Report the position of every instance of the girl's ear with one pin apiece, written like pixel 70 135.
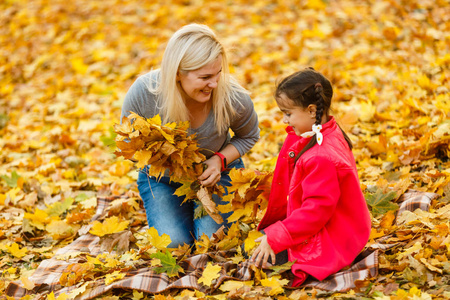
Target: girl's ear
pixel 311 109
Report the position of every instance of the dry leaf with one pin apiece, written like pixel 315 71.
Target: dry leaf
pixel 209 205
pixel 63 78
pixel 209 275
pixel 119 241
pixel 109 226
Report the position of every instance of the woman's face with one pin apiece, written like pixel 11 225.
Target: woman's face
pixel 197 85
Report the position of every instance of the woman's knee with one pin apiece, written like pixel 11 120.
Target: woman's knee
pixel 165 211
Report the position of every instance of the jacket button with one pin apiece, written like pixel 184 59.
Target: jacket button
pixel 291 154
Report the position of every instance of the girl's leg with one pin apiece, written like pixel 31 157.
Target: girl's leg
pixel 164 210
pixel 206 224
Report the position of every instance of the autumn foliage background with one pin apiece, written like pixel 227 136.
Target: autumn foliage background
pixel 65 67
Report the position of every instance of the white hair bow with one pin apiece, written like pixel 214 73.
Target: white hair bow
pixel 315 131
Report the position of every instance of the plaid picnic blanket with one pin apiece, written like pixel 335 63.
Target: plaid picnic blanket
pixel 47 275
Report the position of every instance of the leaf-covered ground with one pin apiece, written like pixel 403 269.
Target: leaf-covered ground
pixel 65 67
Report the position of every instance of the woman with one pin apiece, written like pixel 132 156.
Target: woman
pixel 193 84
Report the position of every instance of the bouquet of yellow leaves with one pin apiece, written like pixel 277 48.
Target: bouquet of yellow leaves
pixel 168 146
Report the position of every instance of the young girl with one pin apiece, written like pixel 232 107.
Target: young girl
pixel 316 209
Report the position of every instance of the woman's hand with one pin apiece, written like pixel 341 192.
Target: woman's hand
pixel 211 175
pixel 263 252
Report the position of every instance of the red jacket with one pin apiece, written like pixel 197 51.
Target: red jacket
pixel 317 210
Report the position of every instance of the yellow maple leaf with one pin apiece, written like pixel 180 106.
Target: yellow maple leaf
pixel 94 260
pixel 114 276
pixel 125 127
pixel 62 296
pixel 157 241
pixel 16 251
pixel 155 120
pixel 237 259
pixel 367 111
pixel 141 126
pixel 137 295
pixel 111 262
pixel 210 273
pixel 78 291
pixel 202 244
pixel 387 220
pixel 275 284
pixel 242 213
pixel 241 180
pixel 78 65
pixel 109 225
pixel 187 294
pixel 143 157
pixel 39 219
pixel 27 283
pixel 168 149
pixel 89 203
pixel 425 82
pixel 59 229
pixel 232 285
pixel 374 234
pixel 15 194
pixel 250 240
pixel 414 293
pixel 120 168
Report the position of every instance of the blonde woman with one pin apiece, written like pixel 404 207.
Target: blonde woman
pixel 193 84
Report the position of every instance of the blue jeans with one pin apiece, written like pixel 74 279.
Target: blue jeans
pixel 166 214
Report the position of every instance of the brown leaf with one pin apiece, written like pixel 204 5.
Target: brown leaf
pixel 184 250
pixel 210 206
pixel 120 241
pixel 390 287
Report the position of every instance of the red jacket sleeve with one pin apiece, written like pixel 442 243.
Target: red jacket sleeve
pixel 313 197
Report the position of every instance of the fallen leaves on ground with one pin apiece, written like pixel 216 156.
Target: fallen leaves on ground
pixel 66 66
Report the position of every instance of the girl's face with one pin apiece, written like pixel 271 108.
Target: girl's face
pixel 300 119
pixel 197 85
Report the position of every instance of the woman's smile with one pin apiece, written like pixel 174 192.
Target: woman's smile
pixel 198 85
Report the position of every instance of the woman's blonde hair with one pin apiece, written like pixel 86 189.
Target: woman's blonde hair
pixel 190 48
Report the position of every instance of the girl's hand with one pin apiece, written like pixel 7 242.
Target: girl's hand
pixel 211 175
pixel 263 252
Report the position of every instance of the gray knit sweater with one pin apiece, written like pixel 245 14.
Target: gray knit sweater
pixel 244 125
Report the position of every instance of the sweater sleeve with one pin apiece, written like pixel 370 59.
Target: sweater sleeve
pixel 139 99
pixel 245 126
pixel 319 194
